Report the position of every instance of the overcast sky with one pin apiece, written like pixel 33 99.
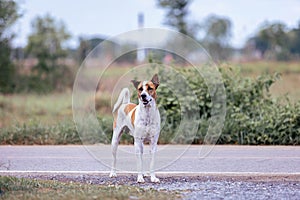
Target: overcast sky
pixel 112 17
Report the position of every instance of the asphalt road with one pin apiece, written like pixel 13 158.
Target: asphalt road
pixel 194 172
pixel 170 159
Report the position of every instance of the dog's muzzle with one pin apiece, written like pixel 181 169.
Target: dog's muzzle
pixel 144 99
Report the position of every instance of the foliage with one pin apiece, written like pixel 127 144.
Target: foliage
pixel 176 17
pixel 294 40
pixel 7 68
pixel 252 116
pixel 22 188
pixel 34 132
pixel 87 45
pixel 217 35
pixel 216 30
pixel 8 16
pixel 46 44
pixel 276 41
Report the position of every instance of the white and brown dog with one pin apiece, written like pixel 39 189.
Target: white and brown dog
pixel 142 120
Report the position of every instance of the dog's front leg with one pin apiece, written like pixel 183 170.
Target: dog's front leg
pixel 153 148
pixel 138 145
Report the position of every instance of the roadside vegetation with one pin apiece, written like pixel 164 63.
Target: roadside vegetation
pixel 20 188
pixel 260 110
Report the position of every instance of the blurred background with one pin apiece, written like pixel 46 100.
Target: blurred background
pixel 43 43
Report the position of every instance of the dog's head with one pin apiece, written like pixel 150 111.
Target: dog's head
pixel 146 90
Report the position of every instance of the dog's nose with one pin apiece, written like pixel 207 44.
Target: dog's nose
pixel 143 96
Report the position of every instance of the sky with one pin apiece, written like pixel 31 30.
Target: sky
pixel 112 17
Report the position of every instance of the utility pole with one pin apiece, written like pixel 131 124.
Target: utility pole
pixel 141 54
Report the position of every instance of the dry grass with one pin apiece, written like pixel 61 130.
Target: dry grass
pixel 289 83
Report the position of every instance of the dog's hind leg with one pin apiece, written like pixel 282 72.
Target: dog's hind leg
pixel 114 144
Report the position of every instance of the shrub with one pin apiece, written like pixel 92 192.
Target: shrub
pixel 252 115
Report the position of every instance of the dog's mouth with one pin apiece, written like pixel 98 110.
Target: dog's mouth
pixel 145 101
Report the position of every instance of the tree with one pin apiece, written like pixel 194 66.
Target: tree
pixel 86 46
pixel 272 41
pixel 294 40
pixel 46 44
pixel 176 16
pixel 8 16
pixel 217 35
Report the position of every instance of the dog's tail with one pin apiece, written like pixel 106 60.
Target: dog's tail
pixel 124 98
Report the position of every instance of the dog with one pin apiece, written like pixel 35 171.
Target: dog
pixel 142 120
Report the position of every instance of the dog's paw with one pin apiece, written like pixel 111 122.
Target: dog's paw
pixel 140 179
pixel 112 174
pixel 154 179
pixel 145 174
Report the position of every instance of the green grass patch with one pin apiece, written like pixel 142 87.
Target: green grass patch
pixel 37 133
pixel 48 109
pixel 20 188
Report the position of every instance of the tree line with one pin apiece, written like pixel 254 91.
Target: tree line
pixel 46 45
pixel 273 40
pixel 276 41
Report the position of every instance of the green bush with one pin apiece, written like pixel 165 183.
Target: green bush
pixel 252 115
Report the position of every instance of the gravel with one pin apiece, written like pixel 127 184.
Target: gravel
pixel 197 187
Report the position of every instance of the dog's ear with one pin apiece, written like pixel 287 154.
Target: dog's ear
pixel 155 80
pixel 135 83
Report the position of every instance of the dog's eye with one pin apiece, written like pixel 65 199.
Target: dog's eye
pixel 140 89
pixel 150 89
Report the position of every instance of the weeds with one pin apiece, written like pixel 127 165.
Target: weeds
pixel 36 133
pixel 20 188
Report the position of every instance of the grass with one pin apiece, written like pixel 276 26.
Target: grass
pixel 48 109
pixel 260 67
pixel 20 188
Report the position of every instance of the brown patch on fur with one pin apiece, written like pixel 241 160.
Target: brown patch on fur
pixel 139 89
pixel 128 109
pixel 153 91
pixel 155 80
pixel 115 123
pixel 115 119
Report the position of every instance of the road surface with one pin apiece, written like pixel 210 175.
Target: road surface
pixel 170 159
pixel 194 172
